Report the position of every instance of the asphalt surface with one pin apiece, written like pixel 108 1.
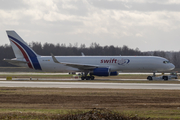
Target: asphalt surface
pixel 89 85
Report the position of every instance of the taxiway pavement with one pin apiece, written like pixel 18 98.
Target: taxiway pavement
pixel 89 85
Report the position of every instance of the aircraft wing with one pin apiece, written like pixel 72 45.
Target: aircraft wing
pixel 76 65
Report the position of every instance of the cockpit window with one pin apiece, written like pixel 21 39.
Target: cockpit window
pixel 165 62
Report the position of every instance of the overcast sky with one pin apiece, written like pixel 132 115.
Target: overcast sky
pixel 145 24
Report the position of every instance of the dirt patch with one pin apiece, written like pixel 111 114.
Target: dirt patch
pixel 88 98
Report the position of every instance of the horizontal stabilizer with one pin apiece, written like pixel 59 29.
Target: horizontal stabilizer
pixel 15 61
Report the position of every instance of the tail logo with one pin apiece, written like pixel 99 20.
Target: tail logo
pixel 28 54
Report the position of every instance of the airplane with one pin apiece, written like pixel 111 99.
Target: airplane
pixel 92 65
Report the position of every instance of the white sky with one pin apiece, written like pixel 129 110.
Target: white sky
pixel 145 24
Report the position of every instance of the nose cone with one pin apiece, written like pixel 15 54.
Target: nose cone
pixel 171 66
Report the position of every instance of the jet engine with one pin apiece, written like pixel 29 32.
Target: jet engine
pixel 103 72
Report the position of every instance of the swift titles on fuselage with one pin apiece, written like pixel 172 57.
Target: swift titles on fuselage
pixel 118 61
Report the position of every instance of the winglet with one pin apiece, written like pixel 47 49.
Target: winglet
pixel 82 54
pixel 54 59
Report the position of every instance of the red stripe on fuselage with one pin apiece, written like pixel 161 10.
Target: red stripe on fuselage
pixel 24 54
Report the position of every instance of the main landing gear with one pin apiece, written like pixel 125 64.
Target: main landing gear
pixel 85 77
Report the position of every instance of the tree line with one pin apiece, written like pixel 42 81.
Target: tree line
pixel 93 50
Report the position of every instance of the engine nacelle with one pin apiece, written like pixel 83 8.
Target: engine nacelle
pixel 103 72
pixel 114 73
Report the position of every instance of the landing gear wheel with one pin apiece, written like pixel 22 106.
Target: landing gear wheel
pixel 82 78
pixel 150 78
pixel 165 78
pixel 92 77
pixel 87 77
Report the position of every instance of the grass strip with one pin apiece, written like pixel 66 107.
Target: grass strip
pixel 95 114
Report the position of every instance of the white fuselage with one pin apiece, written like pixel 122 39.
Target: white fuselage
pixel 115 63
pixel 97 65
